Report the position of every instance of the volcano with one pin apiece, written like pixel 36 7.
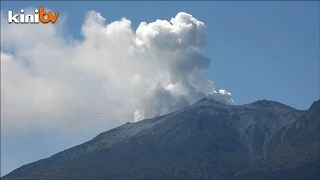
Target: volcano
pixel 207 140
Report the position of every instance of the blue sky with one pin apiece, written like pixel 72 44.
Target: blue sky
pixel 258 50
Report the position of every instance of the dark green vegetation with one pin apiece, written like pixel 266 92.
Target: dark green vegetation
pixel 208 140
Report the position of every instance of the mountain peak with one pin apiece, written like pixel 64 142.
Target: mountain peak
pixel 263 103
pixel 271 104
pixel 207 100
pixel 315 105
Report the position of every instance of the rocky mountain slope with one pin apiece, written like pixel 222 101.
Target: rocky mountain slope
pixel 208 140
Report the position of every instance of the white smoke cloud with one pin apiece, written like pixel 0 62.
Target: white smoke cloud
pixel 112 76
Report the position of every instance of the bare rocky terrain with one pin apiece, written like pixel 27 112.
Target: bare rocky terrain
pixel 208 140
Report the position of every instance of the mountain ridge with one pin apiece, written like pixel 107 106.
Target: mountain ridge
pixel 205 140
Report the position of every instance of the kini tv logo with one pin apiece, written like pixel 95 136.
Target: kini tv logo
pixel 40 16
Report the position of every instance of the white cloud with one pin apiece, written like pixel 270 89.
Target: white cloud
pixel 51 81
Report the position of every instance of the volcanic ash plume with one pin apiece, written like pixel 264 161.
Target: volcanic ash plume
pixel 113 75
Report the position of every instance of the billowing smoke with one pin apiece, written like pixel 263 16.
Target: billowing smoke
pixel 113 75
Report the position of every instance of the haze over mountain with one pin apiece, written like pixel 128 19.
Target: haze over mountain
pixel 207 140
